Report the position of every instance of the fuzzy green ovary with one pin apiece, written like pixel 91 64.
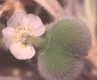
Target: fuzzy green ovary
pixel 64 34
pixel 55 61
pixel 56 57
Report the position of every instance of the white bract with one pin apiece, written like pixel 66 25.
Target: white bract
pixel 21 28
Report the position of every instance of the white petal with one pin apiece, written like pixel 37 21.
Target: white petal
pixel 16 19
pixel 8 34
pixel 38 31
pixel 33 21
pixel 22 53
pixel 36 24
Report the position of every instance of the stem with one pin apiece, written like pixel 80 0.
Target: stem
pixel 18 6
pixel 53 7
pixel 11 5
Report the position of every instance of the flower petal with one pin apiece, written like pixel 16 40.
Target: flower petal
pixel 8 34
pixel 38 31
pixel 16 19
pixel 36 24
pixel 26 20
pixel 21 52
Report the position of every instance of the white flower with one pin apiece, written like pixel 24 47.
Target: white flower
pixel 21 51
pixel 21 28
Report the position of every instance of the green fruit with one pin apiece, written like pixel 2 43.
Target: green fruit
pixel 65 43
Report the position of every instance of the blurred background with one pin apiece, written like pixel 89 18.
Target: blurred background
pixel 49 11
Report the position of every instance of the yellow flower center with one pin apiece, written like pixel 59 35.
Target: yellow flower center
pixel 24 35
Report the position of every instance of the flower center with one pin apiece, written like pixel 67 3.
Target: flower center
pixel 23 34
